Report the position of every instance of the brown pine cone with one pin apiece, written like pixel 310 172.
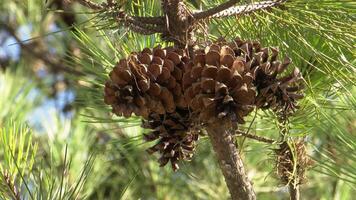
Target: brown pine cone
pixel 147 82
pixel 175 134
pixel 279 94
pixel 171 91
pixel 217 84
pixel 292 162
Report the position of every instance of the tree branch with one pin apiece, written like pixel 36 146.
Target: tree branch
pixel 147 23
pixel 142 25
pixel 137 26
pixel 213 11
pixel 230 162
pixel 256 137
pixel 10 184
pixel 90 4
pixel 141 30
pixel 178 20
pixel 44 56
pixel 149 20
pixel 294 191
pixel 246 9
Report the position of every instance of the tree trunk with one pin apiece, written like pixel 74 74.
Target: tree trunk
pixel 230 162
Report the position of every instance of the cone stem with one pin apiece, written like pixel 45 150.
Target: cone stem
pixel 294 192
pixel 230 162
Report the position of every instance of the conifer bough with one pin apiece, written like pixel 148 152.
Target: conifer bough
pixel 178 22
pixel 178 95
pixel 178 91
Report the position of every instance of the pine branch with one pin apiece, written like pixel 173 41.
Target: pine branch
pixel 178 14
pixel 230 162
pixel 141 30
pixel 149 20
pixel 44 56
pixel 10 185
pixel 91 5
pixel 142 23
pixel 178 22
pixel 256 137
pixel 215 10
pixel 246 9
pixel 294 192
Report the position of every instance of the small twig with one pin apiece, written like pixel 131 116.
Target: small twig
pixel 110 3
pixel 20 173
pixel 44 56
pixel 246 9
pixel 249 128
pixel 256 137
pixel 139 29
pixel 149 20
pixel 90 4
pixel 142 25
pixel 178 14
pixel 294 191
pixel 141 22
pixel 11 185
pixel 213 11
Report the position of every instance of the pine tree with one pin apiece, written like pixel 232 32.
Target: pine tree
pixel 189 73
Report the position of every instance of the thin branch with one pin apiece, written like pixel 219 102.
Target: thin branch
pixel 215 10
pixel 143 25
pixel 20 173
pixel 138 26
pixel 11 185
pixel 44 56
pixel 294 192
pixel 256 137
pixel 143 22
pixel 90 4
pixel 96 6
pixel 230 161
pixel 246 9
pixel 249 128
pixel 149 20
pixel 139 29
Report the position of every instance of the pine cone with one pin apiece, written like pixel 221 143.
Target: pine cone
pixel 147 82
pixel 224 81
pixel 292 162
pixel 217 84
pixel 175 134
pixel 279 94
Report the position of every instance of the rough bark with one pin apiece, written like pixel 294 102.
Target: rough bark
pixel 248 8
pixel 230 162
pixel 179 21
pixel 217 9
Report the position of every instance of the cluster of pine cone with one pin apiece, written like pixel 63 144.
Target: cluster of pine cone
pixel 176 93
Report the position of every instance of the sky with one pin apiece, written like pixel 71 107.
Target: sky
pixel 9 49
